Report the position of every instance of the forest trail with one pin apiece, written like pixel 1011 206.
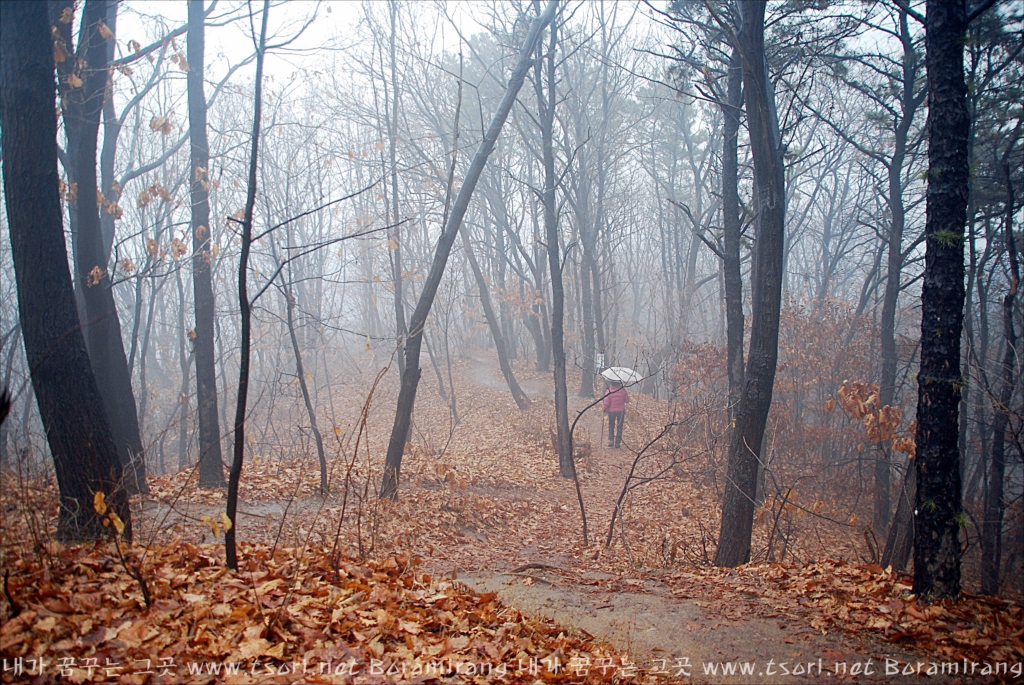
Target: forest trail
pixel 658 626
pixel 481 504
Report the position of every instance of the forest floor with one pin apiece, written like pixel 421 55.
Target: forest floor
pixel 483 510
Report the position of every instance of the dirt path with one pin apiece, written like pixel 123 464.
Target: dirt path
pixel 662 632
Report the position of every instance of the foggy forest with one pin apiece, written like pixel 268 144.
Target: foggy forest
pixel 511 342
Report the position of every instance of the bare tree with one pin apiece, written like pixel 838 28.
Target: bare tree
pixel 211 470
pixel 411 376
pixel 84 82
pixel 84 453
pixel 937 505
pixel 244 303
pixel 769 188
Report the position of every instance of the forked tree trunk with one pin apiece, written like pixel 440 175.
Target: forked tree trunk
pixel 84 454
pixel 211 468
pixel 411 376
pixel 938 510
pixel 747 434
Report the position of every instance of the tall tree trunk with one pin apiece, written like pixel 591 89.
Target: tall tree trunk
pixel 84 453
pixel 747 435
pixel 544 70
pixel 897 212
pixel 81 109
pixel 732 230
pixel 995 502
pixel 244 305
pixel 411 376
pixel 938 510
pixel 211 468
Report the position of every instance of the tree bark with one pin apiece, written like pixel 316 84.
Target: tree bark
pixel 411 376
pixel 84 453
pixel 81 107
pixel 211 468
pixel 769 184
pixel 937 507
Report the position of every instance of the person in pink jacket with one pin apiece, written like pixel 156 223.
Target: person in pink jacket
pixel 615 399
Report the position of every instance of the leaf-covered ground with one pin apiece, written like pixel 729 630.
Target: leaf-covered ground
pixel 347 579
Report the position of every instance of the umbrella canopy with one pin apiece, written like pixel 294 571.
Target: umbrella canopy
pixel 622 375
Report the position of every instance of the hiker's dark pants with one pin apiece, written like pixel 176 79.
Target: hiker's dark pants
pixel 615 418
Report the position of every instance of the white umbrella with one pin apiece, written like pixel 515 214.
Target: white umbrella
pixel 622 375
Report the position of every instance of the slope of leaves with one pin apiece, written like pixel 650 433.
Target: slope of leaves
pixel 285 617
pixel 865 601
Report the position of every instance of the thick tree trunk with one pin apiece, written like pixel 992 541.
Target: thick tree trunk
pixel 938 509
pixel 732 231
pixel 769 183
pixel 411 376
pixel 995 502
pixel 84 453
pixel 211 468
pixel 81 110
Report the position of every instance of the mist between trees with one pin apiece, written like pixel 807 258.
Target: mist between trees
pixel 745 203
